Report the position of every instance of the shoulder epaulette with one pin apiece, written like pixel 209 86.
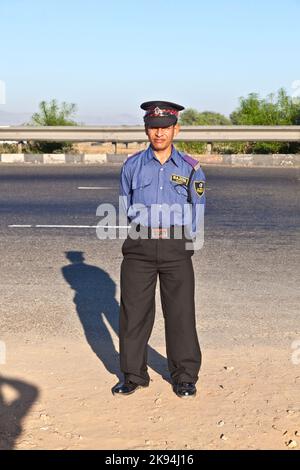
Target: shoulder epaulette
pixel 191 161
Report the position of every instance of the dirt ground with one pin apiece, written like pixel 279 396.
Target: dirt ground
pixel 61 332
pixel 60 398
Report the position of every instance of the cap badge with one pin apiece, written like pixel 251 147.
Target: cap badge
pixel 158 111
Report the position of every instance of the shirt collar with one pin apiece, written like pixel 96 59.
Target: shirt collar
pixel 175 157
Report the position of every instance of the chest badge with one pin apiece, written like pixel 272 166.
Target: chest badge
pixel 179 179
pixel 199 187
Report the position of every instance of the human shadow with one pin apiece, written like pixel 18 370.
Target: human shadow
pixel 12 413
pixel 97 307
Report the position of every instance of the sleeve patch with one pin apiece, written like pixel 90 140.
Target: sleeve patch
pixel 199 187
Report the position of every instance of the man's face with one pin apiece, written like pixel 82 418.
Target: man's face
pixel 161 137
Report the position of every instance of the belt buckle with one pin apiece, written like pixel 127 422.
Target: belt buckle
pixel 159 232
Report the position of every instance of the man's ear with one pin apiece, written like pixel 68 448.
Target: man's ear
pixel 176 129
pixel 146 130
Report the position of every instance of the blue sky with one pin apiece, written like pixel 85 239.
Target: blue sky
pixel 108 57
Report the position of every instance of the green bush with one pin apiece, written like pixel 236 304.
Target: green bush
pixel 280 110
pixel 52 114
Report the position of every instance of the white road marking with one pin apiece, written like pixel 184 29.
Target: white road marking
pixel 69 226
pixel 95 187
pixel 20 226
pixel 109 187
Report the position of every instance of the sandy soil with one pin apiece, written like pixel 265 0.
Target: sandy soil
pixel 60 398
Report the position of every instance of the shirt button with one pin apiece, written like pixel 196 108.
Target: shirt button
pixel 161 169
pixel 161 187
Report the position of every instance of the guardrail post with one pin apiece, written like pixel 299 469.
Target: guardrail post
pixel 20 145
pixel 208 148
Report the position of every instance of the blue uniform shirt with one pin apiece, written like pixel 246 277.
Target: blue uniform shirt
pixel 156 195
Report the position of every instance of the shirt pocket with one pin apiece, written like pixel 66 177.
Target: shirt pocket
pixel 143 191
pixel 179 192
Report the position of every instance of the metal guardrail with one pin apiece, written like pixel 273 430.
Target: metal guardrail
pixel 126 134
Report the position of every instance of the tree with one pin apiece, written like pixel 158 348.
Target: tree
pixel 192 117
pixel 272 111
pixel 280 110
pixel 52 114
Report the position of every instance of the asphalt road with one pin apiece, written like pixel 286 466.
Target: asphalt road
pixel 247 288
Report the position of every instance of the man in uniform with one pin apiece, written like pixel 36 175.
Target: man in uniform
pixel 152 182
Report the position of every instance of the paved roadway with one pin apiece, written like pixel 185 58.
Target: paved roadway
pixel 247 289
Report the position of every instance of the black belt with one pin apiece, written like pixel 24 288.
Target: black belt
pixel 174 231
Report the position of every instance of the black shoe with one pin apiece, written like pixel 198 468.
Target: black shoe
pixel 126 388
pixel 185 389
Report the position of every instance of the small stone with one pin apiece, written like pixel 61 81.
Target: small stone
pixel 220 423
pixel 45 428
pixel 44 417
pixel 229 368
pixel 223 437
pixel 147 442
pixel 291 444
pixel 158 401
pixel 275 427
pixel 297 433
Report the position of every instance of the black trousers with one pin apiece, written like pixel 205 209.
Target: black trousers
pixel 144 260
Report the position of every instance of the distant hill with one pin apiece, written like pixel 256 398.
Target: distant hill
pixel 19 119
pixel 110 119
pixel 13 119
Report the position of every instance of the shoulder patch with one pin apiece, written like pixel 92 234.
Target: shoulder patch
pixel 199 187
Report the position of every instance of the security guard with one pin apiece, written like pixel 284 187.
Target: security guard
pixel 161 189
